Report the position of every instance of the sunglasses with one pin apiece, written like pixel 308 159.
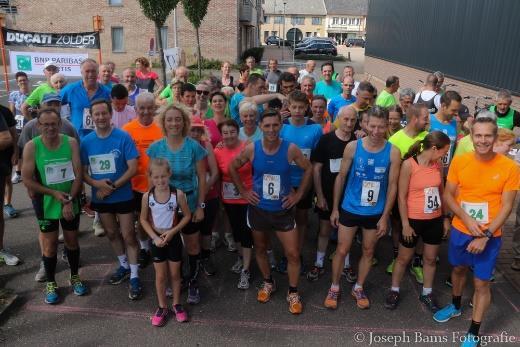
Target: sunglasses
pixel 205 92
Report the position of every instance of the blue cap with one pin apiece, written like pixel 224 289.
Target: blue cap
pixel 50 97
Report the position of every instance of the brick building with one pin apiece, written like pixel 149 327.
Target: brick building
pixel 229 27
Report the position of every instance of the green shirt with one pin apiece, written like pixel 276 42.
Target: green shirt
pixel 385 99
pixel 55 171
pixel 35 98
pixel 404 142
pixel 464 146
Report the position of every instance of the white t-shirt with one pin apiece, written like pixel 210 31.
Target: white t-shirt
pixel 121 118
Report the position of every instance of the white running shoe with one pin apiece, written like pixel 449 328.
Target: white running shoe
pixel 8 258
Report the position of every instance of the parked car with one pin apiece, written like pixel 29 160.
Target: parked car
pixel 317 48
pixel 276 40
pixel 355 42
pixel 308 40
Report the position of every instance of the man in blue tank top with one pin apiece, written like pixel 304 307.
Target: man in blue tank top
pixel 272 200
pixel 444 120
pixel 372 165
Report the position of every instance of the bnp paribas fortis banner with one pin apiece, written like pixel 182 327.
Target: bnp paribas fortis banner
pixel 32 62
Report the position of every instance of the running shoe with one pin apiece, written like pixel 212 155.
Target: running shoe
pixel 160 317
pixel 180 314
pixel 41 276
pixel 51 293
pixel 470 340
pixel 315 273
pixel 243 283
pixel 390 267
pixel 429 301
pixel 392 299
pixel 417 272
pixel 99 231
pixel 16 178
pixel 237 267
pixel 265 292
pixel 349 274
pixel 229 241
pixel 135 290
pixel 295 303
pixel 331 301
pixel 282 266
pixel 8 258
pixel 88 211
pixel 119 276
pixel 78 287
pixel 193 293
pixel 215 241
pixel 10 211
pixel 445 314
pixel 361 298
pixel 208 266
pixel 168 292
pixel 144 258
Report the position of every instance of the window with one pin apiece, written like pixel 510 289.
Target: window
pixel 115 2
pixel 274 33
pixel 266 19
pixel 164 37
pixel 278 20
pixel 316 21
pixel 344 21
pixel 335 20
pixel 297 20
pixel 308 34
pixel 117 39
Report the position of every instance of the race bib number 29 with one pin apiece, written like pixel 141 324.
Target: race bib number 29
pixel 102 164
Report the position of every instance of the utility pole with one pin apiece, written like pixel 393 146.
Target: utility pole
pixel 283 35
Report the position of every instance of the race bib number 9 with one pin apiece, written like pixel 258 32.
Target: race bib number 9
pixel 432 200
pixel 271 187
pixel 59 173
pixel 230 191
pixel 88 123
pixel 370 193
pixel 102 164
pixel 479 211
pixel 335 165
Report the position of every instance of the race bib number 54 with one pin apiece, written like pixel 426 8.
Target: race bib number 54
pixel 271 187
pixel 479 211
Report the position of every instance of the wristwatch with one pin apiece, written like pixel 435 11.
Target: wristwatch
pixel 488 233
pixel 202 205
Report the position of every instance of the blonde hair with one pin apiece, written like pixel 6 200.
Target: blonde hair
pixel 159 162
pixel 185 117
pixel 505 135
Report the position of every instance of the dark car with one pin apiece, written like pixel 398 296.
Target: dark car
pixel 355 43
pixel 317 48
pixel 309 40
pixel 276 40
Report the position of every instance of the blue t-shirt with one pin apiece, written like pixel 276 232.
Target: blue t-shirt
pixel 449 129
pixel 183 163
pixel 328 90
pixel 75 95
pixel 107 158
pixel 234 104
pixel 255 137
pixel 306 137
pixel 337 102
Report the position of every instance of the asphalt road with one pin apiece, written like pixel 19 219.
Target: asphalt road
pixel 226 315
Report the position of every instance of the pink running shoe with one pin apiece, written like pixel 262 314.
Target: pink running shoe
pixel 160 317
pixel 180 314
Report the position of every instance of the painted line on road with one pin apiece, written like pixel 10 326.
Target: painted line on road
pixel 507 299
pixel 135 315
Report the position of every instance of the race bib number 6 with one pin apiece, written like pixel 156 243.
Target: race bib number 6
pixel 370 193
pixel 479 211
pixel 271 187
pixel 88 123
pixel 102 164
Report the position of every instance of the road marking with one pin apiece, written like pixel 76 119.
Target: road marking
pixel 507 299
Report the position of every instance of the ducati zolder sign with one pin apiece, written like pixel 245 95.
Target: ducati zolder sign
pixel 71 40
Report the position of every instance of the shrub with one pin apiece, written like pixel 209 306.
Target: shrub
pixel 256 52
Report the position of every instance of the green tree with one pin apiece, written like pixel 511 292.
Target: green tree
pixel 196 10
pixel 158 11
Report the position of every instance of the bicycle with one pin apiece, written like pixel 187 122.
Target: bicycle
pixel 479 106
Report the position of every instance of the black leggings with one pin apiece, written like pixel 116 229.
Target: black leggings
pixel 237 215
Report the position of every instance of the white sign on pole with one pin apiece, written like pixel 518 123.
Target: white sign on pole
pixel 32 62
pixel 172 56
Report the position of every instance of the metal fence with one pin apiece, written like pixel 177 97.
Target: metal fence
pixel 476 41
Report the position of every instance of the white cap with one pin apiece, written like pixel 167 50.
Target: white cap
pixel 50 63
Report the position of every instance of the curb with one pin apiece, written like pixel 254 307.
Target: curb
pixel 7 300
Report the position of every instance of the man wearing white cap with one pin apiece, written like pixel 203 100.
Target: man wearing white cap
pixel 35 98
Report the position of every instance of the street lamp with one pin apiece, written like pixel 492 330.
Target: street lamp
pixel 283 36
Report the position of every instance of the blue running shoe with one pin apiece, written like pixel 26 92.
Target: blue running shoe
pixel 193 293
pixel 77 286
pixel 446 313
pixel 51 293
pixel 470 340
pixel 135 290
pixel 119 276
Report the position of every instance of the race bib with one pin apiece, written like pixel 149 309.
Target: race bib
pixel 19 121
pixel 446 159
pixel 432 200
pixel 272 87
pixel 369 193
pixel 335 165
pixel 230 191
pixel 102 164
pixel 306 153
pixel 88 123
pixel 479 211
pixel 271 187
pixel 65 111
pixel 59 173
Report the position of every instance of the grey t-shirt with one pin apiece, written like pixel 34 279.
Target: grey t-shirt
pixel 30 131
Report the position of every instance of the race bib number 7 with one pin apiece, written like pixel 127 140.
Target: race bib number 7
pixel 102 164
pixel 479 211
pixel 59 173
pixel 271 187
pixel 370 193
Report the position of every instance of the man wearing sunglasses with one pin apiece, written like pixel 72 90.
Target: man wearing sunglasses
pixel 201 99
pixel 344 99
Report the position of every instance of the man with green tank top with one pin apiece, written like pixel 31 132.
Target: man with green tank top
pixel 507 117
pixel 52 174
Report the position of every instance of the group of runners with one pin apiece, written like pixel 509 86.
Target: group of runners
pixel 162 169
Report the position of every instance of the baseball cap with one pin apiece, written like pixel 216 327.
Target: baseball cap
pixel 50 63
pixel 464 112
pixel 50 97
pixel 196 122
pixel 176 81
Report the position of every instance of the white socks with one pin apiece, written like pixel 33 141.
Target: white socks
pixel 134 271
pixel 320 256
pixel 123 261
